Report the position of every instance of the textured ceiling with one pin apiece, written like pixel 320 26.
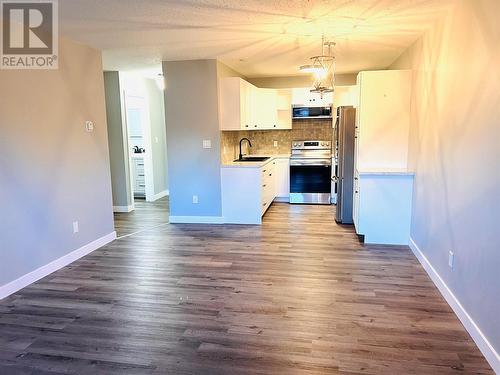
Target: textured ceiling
pixel 255 37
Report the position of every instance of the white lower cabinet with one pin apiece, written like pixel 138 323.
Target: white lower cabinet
pixel 382 206
pixel 282 174
pixel 138 178
pixel 247 192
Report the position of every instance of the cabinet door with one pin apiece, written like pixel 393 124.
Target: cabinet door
pixel 231 109
pixel 247 105
pixel 282 173
pixel 266 112
pixel 284 109
pixel 384 119
pixel 304 97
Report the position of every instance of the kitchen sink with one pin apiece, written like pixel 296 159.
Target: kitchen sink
pixel 253 158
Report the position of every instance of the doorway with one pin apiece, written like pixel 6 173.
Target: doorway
pixel 138 154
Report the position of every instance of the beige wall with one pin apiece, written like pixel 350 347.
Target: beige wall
pixel 52 172
pixel 455 151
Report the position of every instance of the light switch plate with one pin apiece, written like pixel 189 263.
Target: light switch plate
pixel 76 229
pixel 207 143
pixel 89 126
pixel 275 143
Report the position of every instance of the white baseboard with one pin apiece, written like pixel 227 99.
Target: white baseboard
pixel 196 220
pixel 481 341
pixel 18 284
pixel 160 195
pixel 124 209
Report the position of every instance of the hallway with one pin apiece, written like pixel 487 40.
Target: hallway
pixel 146 215
pixel 297 295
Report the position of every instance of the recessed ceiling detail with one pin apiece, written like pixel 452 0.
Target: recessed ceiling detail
pixel 255 37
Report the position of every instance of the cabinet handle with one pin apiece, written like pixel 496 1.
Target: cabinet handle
pixel 270 174
pixel 255 126
pixel 264 185
pixel 357 192
pixel 264 204
pixel 264 171
pixel 140 175
pixel 246 126
pixel 274 125
pixel 142 185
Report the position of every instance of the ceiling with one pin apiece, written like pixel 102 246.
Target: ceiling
pixel 255 37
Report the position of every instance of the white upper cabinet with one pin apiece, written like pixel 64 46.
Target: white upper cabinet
pixel 265 109
pixel 345 95
pixel 383 119
pixel 235 102
pixel 246 107
pixel 305 98
pixel 284 108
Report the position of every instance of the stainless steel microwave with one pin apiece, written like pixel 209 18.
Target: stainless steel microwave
pixel 311 112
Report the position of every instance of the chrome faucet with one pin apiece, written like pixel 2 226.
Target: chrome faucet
pixel 241 141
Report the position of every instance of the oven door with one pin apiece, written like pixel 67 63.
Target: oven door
pixel 310 181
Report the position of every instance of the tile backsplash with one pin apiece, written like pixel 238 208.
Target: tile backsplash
pixel 263 140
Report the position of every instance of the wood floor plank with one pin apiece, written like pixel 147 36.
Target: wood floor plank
pixel 297 295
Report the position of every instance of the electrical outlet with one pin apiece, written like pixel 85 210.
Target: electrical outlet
pixel 451 259
pixel 275 143
pixel 207 143
pixel 76 229
pixel 89 126
pixel 195 199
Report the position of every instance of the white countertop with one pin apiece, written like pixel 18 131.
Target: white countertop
pixel 254 164
pixel 385 172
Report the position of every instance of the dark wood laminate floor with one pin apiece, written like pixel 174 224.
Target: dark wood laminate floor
pixel 146 215
pixel 298 295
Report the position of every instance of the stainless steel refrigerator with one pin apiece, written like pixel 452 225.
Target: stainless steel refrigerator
pixel 344 157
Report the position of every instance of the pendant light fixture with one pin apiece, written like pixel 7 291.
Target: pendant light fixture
pixel 323 69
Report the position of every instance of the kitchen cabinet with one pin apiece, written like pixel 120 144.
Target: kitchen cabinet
pixel 237 98
pixel 247 191
pixel 303 97
pixel 284 108
pixel 244 106
pixel 282 173
pixel 138 176
pixel 382 206
pixel 264 111
pixel 383 186
pixel 383 119
pixel 345 96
